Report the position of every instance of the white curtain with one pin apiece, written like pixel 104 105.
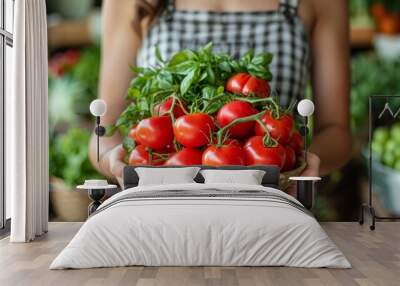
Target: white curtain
pixel 27 124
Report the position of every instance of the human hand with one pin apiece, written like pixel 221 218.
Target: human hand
pixel 313 165
pixel 115 159
pixel 312 170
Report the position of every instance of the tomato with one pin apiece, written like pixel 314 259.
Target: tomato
pixel 234 110
pixel 297 142
pixel 132 133
pixel 378 11
pixel 389 24
pixel 280 129
pixel 244 83
pixel 164 107
pixel 62 63
pixel 194 130
pixel 141 156
pixel 185 157
pixel 155 132
pixel 290 160
pixel 224 155
pixel 71 57
pixel 230 141
pixel 258 154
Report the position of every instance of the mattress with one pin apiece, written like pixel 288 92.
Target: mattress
pixel 201 225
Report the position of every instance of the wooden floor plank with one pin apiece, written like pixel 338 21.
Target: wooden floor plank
pixel 375 257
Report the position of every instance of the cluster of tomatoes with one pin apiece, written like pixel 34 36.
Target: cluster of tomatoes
pixel 387 22
pixel 62 63
pixel 238 134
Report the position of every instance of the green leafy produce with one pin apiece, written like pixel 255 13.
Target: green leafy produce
pixel 73 84
pixel 359 13
pixel 371 76
pixel 386 145
pixel 196 78
pixel 199 107
pixel 69 157
pixel 86 72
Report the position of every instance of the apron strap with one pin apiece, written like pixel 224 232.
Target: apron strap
pixel 169 9
pixel 288 8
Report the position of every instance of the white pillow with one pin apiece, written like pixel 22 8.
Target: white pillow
pixel 166 176
pixel 247 177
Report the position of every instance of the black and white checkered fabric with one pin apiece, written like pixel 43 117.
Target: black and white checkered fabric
pixel 280 32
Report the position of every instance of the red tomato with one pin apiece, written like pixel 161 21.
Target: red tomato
pixel 164 107
pixel 155 132
pixel 62 63
pixel 290 160
pixel 132 133
pixel 243 83
pixel 234 110
pixel 258 154
pixel 378 11
pixel 235 142
pixel 389 24
pixel 228 141
pixel 280 129
pixel 194 130
pixel 169 149
pixel 141 156
pixel 224 155
pixel 297 142
pixel 185 157
pixel 71 57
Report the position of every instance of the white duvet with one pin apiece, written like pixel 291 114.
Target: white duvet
pixel 188 231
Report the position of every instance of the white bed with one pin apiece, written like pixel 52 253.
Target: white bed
pixel 203 225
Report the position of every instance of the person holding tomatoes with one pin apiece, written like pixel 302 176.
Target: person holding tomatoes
pixel 308 40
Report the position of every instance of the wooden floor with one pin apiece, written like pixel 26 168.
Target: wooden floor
pixel 375 257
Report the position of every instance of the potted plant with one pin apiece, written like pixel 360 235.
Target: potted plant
pixel 70 166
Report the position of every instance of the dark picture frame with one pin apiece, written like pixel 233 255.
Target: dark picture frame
pixel 369 207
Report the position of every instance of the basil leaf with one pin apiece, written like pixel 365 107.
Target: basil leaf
pixel 262 59
pixel 210 75
pixel 182 68
pixel 128 144
pixel 208 92
pixel 246 59
pixel 181 57
pixel 189 79
pixel 110 130
pixel 133 93
pixel 158 54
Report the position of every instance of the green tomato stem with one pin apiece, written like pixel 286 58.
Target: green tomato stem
pixel 211 100
pixel 270 100
pixel 224 129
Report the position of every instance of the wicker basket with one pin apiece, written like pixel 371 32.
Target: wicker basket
pixel 284 181
pixel 67 204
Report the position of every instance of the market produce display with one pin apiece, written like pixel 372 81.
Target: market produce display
pixel 385 145
pixel 204 108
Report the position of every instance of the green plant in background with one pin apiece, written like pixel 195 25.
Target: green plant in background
pixel 69 157
pixel 385 145
pixel 62 92
pixel 390 5
pixel 86 72
pixel 359 13
pixel 73 82
pixel 371 76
